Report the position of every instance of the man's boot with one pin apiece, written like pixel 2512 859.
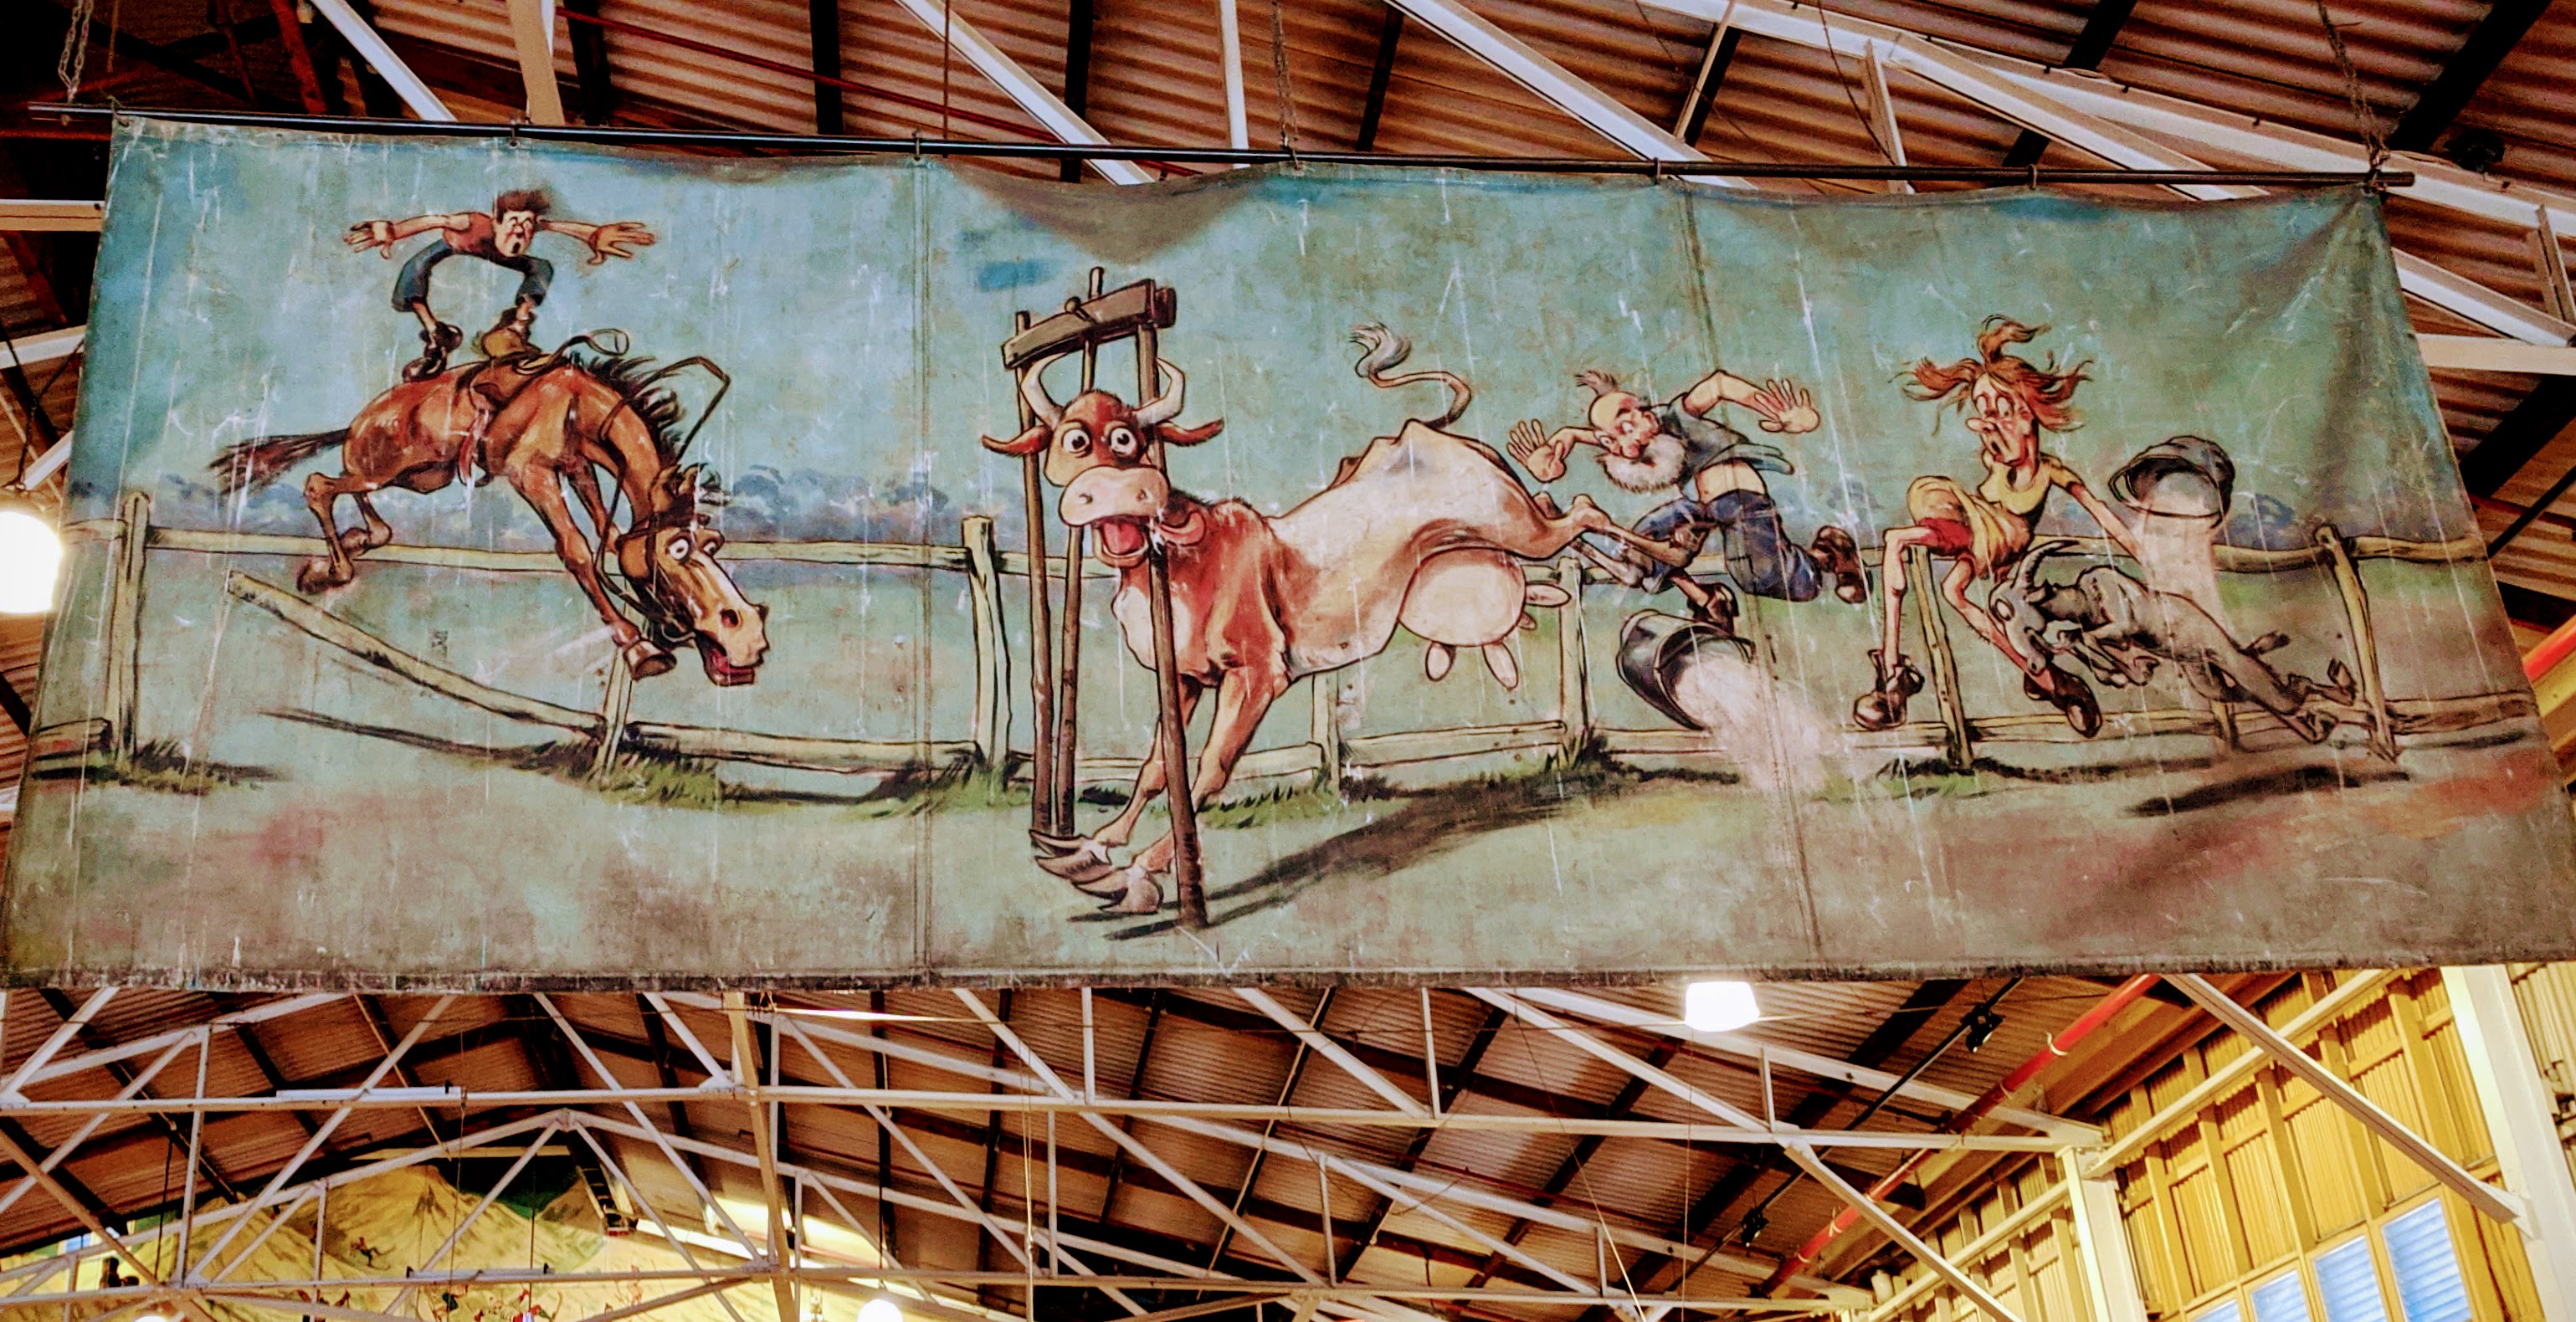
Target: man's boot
pixel 508 337
pixel 1837 557
pixel 435 344
pixel 1717 609
pixel 1883 707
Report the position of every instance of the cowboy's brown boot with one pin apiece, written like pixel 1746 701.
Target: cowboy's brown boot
pixel 1883 707
pixel 1837 557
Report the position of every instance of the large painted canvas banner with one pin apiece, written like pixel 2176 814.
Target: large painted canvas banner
pixel 497 564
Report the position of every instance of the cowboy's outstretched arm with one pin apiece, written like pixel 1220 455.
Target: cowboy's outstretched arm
pixel 1783 405
pixel 1718 387
pixel 385 234
pixel 615 238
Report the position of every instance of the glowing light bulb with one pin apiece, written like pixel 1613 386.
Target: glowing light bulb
pixel 1719 1007
pixel 880 1309
pixel 31 557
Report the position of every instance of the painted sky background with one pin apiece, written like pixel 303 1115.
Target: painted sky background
pixel 858 306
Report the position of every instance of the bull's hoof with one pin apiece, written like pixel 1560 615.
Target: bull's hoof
pixel 1083 867
pixel 1436 660
pixel 1505 667
pixel 1049 846
pixel 1138 894
pixel 644 660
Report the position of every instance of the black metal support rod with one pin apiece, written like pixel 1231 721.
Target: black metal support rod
pixel 2531 513
pixel 819 142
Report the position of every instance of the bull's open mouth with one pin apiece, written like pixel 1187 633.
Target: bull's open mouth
pixel 722 671
pixel 1122 540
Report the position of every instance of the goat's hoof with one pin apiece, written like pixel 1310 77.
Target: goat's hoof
pixel 1141 894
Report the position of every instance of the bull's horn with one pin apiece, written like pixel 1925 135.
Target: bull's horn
pixel 1033 391
pixel 1167 405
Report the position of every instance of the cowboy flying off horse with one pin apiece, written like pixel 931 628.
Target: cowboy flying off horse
pixel 551 423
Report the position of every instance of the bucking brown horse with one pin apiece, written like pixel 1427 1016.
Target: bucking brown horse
pixel 543 423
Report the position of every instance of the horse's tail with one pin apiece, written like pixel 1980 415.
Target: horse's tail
pixel 252 464
pixel 1388 350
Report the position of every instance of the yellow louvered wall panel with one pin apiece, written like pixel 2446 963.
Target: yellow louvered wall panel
pixel 2323 1136
pixel 2208 1248
pixel 2254 1167
pixel 2226 1198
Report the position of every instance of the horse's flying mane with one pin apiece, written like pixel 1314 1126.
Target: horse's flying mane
pixel 635 379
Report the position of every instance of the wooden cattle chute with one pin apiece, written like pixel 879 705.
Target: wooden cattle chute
pixel 1136 313
pixel 1326 756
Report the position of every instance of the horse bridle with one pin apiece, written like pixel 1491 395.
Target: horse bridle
pixel 666 624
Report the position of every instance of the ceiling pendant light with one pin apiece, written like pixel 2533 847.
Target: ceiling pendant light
pixel 31 550
pixel 1719 1007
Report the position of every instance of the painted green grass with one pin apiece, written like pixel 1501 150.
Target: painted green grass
pixel 164 767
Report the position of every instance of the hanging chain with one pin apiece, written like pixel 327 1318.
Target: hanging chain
pixel 2364 118
pixel 1287 91
pixel 67 66
pixel 947 57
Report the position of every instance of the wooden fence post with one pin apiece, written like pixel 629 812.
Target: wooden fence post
pixel 2365 642
pixel 992 653
pixel 612 717
pixel 125 621
pixel 1066 736
pixel 1573 665
pixel 1324 726
pixel 1955 745
pixel 1042 677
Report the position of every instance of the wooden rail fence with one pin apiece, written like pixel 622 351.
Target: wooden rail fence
pixel 1327 754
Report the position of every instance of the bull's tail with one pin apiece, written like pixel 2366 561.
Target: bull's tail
pixel 252 464
pixel 1388 350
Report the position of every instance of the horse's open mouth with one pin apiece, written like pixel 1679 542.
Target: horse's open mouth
pixel 722 671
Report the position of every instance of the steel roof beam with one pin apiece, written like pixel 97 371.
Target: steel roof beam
pixel 1572 1166
pixel 1590 1045
pixel 823 33
pixel 532 39
pixel 1025 92
pixel 2101 30
pixel 372 48
pixel 1312 1037
pixel 1884 1041
pixel 1079 17
pixel 32 215
pixel 1747 1049
pixel 2002 84
pixel 1896 1230
pixel 1546 79
pixel 1390 32
pixel 2547 411
pixel 2488 44
pixel 1454 1081
pixel 1692 120
pixel 590 64
pixel 131 1083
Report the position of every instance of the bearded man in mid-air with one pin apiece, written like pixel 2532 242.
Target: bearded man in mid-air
pixel 1715 474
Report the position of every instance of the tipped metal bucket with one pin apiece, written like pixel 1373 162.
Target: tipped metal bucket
pixel 1654 649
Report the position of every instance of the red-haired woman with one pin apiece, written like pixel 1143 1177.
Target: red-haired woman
pixel 1983 529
